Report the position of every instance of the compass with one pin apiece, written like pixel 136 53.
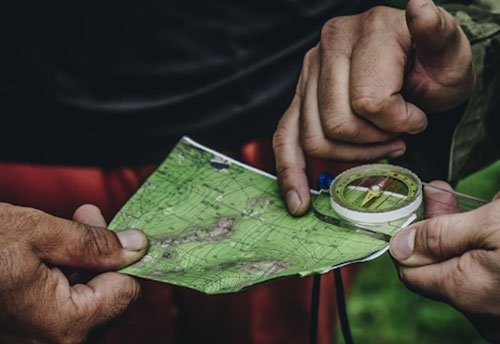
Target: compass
pixel 376 193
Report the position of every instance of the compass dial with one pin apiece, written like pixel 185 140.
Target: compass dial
pixel 376 193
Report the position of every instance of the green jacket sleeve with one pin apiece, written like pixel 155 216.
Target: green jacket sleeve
pixel 476 139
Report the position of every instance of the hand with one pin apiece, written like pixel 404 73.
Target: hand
pixel 370 79
pixel 38 302
pixel 455 258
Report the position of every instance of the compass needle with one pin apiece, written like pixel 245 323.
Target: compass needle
pixel 370 194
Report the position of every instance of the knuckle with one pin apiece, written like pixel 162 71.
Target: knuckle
pixel 338 128
pixel 364 102
pixel 370 153
pixel 373 17
pixel 96 243
pixel 432 236
pixel 284 172
pixel 377 18
pixel 280 138
pixel 333 31
pixel 314 147
pixel 367 104
pixel 330 31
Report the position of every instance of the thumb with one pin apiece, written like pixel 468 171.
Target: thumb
pixel 438 239
pixel 434 32
pixel 67 243
pixel 442 70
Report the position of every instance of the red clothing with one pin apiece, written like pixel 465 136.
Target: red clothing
pixel 276 312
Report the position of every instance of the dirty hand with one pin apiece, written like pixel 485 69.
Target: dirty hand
pixel 372 77
pixel 455 258
pixel 38 302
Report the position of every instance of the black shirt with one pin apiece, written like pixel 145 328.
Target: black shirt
pixel 120 81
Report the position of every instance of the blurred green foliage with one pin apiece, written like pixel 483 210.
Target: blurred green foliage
pixel 382 310
pixel 483 184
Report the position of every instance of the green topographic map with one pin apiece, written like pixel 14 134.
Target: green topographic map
pixel 219 226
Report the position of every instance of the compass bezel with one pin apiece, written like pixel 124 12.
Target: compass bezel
pixel 357 214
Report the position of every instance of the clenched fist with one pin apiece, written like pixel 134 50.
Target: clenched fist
pixel 372 77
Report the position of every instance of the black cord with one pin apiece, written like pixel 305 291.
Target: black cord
pixel 313 329
pixel 341 308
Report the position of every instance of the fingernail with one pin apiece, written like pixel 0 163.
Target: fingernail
pixel 403 244
pixel 396 154
pixel 132 239
pixel 292 201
